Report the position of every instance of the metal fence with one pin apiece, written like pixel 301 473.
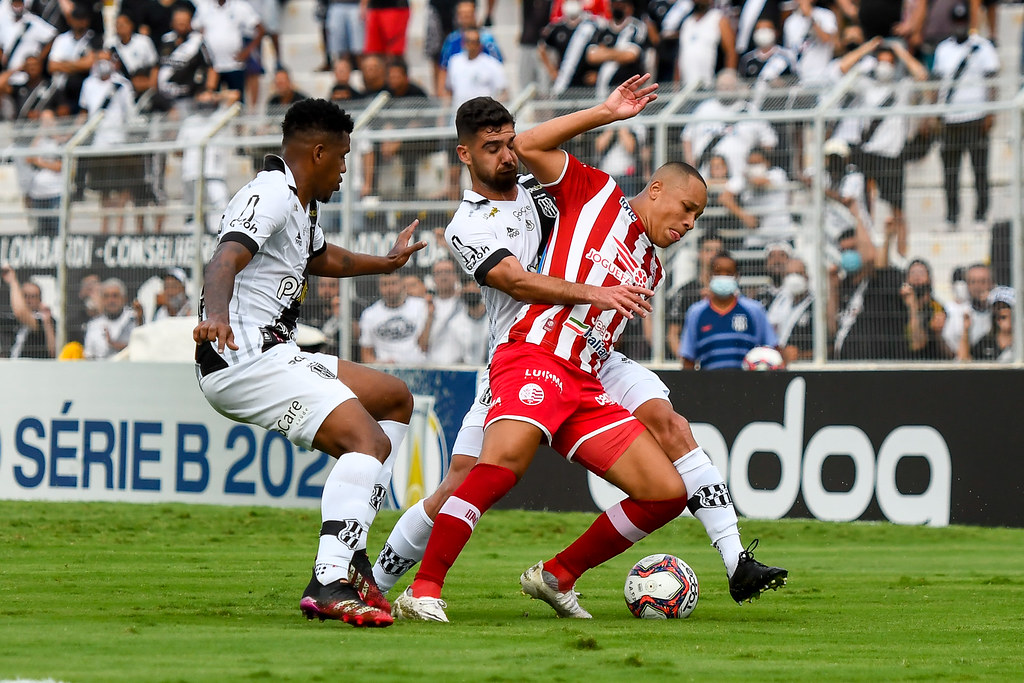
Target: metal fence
pixel 785 167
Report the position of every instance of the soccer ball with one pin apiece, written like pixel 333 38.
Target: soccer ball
pixel 661 587
pixel 762 358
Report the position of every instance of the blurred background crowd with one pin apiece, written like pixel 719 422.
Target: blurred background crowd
pixel 896 213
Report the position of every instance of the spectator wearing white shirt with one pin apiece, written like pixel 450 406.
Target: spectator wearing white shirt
pixel 134 53
pixel 705 35
pixel 71 57
pixel 231 30
pixel 391 330
pixel 444 345
pixel 472 73
pixel 811 32
pixel 108 333
pixel 471 322
pixel 108 91
pixel 45 184
pixel 22 34
pixel 962 63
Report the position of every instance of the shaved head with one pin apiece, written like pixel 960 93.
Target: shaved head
pixel 678 170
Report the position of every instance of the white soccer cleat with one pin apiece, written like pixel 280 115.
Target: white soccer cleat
pixel 543 585
pixel 421 609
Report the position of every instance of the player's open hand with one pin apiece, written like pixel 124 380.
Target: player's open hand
pixel 630 98
pixel 217 330
pixel 400 253
pixel 629 300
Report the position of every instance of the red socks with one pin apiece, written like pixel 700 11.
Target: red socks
pixel 484 486
pixel 612 533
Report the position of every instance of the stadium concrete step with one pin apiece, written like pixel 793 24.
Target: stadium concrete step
pixel 302 52
pixel 299 17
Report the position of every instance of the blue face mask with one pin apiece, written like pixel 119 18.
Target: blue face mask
pixel 723 285
pixel 850 261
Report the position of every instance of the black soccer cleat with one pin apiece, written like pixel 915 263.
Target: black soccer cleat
pixel 340 601
pixel 360 575
pixel 752 578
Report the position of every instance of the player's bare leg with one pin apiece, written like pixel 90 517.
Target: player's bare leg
pixel 508 449
pixel 408 540
pixel 709 501
pixel 656 497
pixel 352 435
pixel 388 401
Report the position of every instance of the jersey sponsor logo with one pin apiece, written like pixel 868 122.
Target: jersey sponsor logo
pixel 292 417
pixel 596 337
pixel 531 394
pixel 521 213
pixel 512 232
pixel 392 563
pixel 247 218
pixel 603 400
pixel 490 214
pixel 530 225
pixel 289 287
pixel 472 256
pixel 632 274
pixel 624 203
pixel 546 375
pixel 739 323
pixel 322 370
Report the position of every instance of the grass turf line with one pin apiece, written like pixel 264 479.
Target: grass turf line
pixel 119 592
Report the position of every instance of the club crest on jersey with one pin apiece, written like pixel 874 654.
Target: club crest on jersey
pixel 531 394
pixel 739 323
pixel 322 370
pixel 546 205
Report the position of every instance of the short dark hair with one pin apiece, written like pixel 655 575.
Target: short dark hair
pixel 846 234
pixel 315 116
pixel 724 254
pixel 399 61
pixel 478 114
pixel 708 236
pixel 685 169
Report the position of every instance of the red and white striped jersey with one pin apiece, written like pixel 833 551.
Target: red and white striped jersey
pixel 597 240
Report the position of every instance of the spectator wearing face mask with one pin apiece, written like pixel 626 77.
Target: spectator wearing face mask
pixel 173 302
pixel 925 316
pixel 997 345
pixel 972 313
pixel 721 329
pixel 790 313
pixel 866 317
pixel 471 323
pixel 768 64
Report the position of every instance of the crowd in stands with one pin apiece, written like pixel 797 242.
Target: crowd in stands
pixel 185 58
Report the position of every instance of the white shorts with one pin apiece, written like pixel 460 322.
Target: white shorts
pixel 284 390
pixel 626 382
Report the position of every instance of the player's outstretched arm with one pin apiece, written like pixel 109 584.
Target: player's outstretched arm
pixel 338 262
pixel 539 147
pixel 218 284
pixel 510 277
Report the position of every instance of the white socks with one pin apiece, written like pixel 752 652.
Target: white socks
pixel 345 510
pixel 404 547
pixel 395 432
pixel 711 504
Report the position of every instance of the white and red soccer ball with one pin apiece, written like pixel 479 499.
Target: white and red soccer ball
pixel 763 358
pixel 661 587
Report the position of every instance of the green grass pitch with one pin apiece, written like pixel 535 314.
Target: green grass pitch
pixel 119 592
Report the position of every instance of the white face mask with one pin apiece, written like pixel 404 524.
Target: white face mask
pixel 723 285
pixel 764 37
pixel 884 72
pixel 757 171
pixel 795 284
pixel 571 9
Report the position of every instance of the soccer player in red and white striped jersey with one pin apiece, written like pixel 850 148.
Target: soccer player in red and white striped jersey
pixel 543 377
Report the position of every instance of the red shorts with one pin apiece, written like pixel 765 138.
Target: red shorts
pixel 385 31
pixel 570 406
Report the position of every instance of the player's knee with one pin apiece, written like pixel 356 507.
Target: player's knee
pixel 400 402
pixel 673 433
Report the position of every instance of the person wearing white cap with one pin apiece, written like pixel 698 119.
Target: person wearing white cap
pixel 997 345
pixel 173 301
